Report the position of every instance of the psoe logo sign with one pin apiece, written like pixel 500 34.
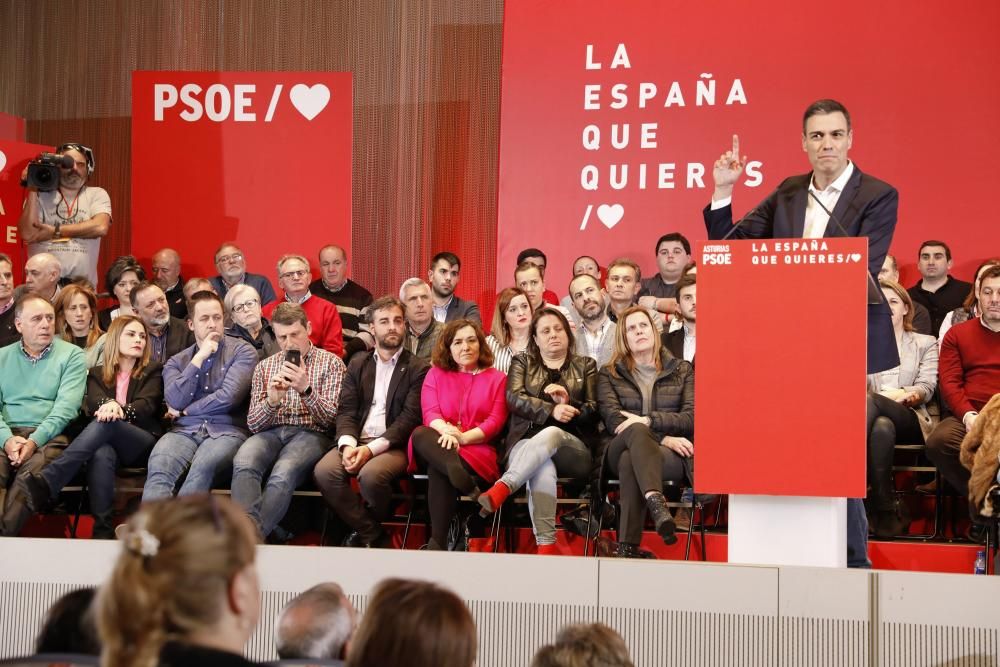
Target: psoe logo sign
pixel 220 102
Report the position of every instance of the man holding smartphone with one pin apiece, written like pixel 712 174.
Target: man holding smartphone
pixel 293 403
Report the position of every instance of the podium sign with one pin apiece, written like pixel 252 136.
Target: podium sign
pixel 780 372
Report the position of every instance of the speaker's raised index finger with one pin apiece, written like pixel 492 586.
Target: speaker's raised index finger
pixel 736 147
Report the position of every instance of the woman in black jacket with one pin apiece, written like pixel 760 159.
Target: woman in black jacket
pixel 646 398
pixel 551 394
pixel 124 400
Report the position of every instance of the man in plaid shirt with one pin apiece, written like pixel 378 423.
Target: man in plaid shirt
pixel 292 409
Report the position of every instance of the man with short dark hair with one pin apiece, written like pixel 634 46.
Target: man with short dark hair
pixel 167 276
pixel 232 266
pixel 316 625
pixel 167 335
pixel 937 290
pixel 379 408
pixel 538 258
pixel 443 278
pixel 8 332
pixel 42 380
pixel 681 342
pixel 622 285
pixel 673 254
pixel 422 330
pixel 293 406
pixel 596 336
pixel 347 296
pixel 205 388
pixel 921 316
pixel 294 276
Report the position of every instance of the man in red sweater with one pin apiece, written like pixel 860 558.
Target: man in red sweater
pixel 294 276
pixel 969 372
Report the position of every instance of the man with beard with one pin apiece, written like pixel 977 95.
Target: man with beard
pixel 596 338
pixel 167 335
pixel 69 221
pixel 379 408
pixel 681 342
pixel 443 277
pixel 167 276
pixel 8 332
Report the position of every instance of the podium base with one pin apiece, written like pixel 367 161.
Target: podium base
pixel 788 530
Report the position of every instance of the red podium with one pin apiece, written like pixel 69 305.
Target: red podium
pixel 780 392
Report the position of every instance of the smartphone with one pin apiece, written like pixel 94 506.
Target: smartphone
pixel 293 357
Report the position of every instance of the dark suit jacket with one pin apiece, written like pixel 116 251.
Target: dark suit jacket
pixel 402 413
pixel 179 337
pixel 867 207
pixel 674 342
pixel 144 395
pixel 460 308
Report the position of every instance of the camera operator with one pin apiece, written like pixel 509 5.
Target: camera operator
pixel 69 221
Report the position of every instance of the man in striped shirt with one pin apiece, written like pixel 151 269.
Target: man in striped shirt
pixel 293 405
pixel 350 298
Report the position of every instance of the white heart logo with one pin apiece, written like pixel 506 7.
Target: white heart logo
pixel 310 101
pixel 856 257
pixel 3 160
pixel 610 215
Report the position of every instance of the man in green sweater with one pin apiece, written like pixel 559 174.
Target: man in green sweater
pixel 42 379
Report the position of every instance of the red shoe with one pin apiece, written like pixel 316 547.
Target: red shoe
pixel 549 550
pixel 494 498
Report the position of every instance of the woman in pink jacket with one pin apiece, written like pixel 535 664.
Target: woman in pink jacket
pixel 465 409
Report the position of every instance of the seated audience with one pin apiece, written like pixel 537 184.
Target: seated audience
pixel 167 335
pixel 538 258
pixel 465 409
pixel 205 389
pixel 969 376
pixel 76 307
pixel 42 380
pixel 379 408
pixel 623 284
pixel 243 309
pixel 293 277
pixel 443 279
pixel 124 402
pixel 167 275
pixel 896 412
pixel 422 330
pixel 921 316
pixel 673 255
pixel 293 404
pixel 8 332
pixel 122 277
pixel 969 310
pixel 552 397
pixel 584 645
pixel 596 335
pixel 195 285
pixel 232 266
pixel 681 341
pixel 69 627
pixel 183 590
pixel 937 290
pixel 41 276
pixel 347 296
pixel 646 398
pixel 316 625
pixel 511 327
pixel 414 624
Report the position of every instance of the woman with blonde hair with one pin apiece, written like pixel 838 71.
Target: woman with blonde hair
pixel 184 590
pixel 76 321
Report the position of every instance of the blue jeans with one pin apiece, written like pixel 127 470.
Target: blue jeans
pixel 175 452
pixel 290 453
pixel 103 445
pixel 857 534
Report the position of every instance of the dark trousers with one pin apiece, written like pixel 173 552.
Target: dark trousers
pixel 943 447
pixel 13 499
pixel 103 445
pixel 889 423
pixel 375 478
pixel 641 464
pixel 448 476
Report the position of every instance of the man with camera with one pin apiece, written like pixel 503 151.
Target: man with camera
pixel 63 215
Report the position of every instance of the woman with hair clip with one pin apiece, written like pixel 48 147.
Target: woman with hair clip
pixel 76 321
pixel 510 332
pixel 896 412
pixel 184 591
pixel 124 401
pixel 465 410
pixel 122 276
pixel 552 398
pixel 646 397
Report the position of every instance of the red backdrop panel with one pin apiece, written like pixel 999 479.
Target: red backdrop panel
pixel 260 158
pixel 12 128
pixel 917 83
pixel 14 157
pixel 780 369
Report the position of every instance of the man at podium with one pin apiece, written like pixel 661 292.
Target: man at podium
pixel 835 199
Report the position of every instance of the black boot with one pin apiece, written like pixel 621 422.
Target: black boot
pixel 626 550
pixel 104 526
pixel 39 495
pixel 665 526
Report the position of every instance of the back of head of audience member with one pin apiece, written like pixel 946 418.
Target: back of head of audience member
pixel 316 624
pixel 411 623
pixel 185 573
pixel 593 645
pixel 69 625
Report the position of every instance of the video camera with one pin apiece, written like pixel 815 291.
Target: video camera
pixel 44 171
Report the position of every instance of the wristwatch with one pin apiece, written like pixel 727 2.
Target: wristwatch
pixel 308 391
pixel 57 231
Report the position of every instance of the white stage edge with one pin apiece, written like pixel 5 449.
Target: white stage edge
pixel 787 530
